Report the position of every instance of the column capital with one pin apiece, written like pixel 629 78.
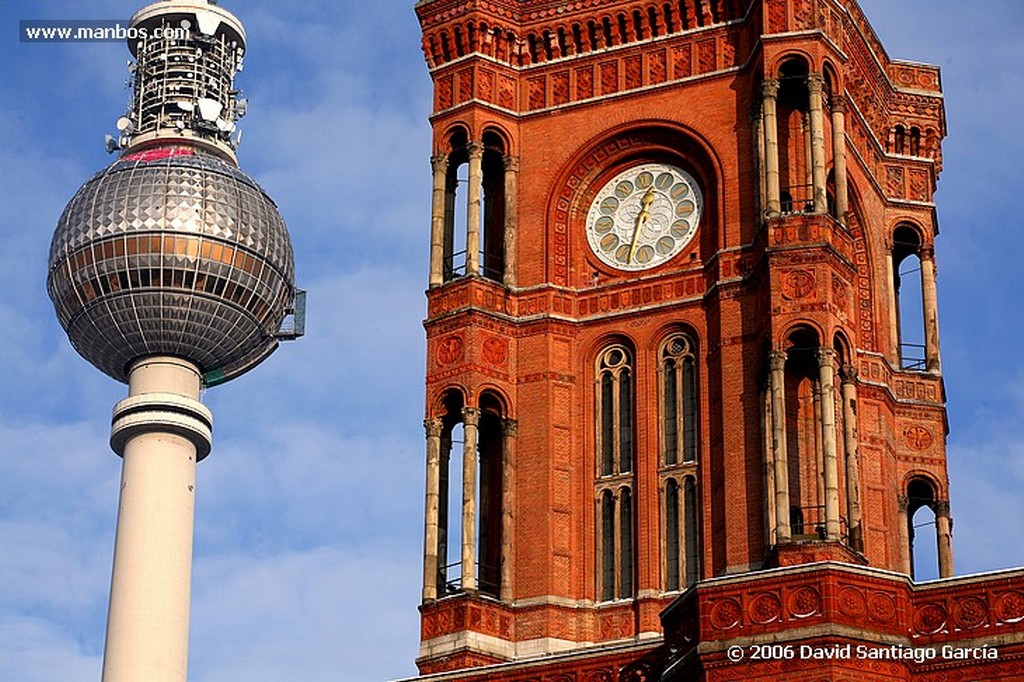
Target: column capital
pixel 941 508
pixel 470 416
pixel 777 359
pixel 848 372
pixel 770 89
pixel 433 427
pixel 838 103
pixel 815 83
pixel 511 163
pixel 926 252
pixel 439 163
pixel 825 356
pixel 903 502
pixel 475 150
pixel 510 428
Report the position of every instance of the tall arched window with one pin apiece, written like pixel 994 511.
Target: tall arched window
pixel 908 289
pixel 678 414
pixel 614 437
pixel 679 401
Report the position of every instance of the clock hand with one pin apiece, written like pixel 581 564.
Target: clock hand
pixel 641 219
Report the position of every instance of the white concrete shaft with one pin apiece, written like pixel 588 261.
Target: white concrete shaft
pixel 148 622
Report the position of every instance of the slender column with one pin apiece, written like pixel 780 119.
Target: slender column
pixel 476 155
pixel 769 93
pixel 776 383
pixel 470 422
pixel 511 219
pixel 930 308
pixel 439 164
pixel 894 316
pixel 769 465
pixel 851 446
pixel 826 378
pixel 815 84
pixel 510 431
pixel 160 430
pixel 805 203
pixel 432 511
pixel 944 538
pixel 839 156
pixel 759 159
pixel 903 528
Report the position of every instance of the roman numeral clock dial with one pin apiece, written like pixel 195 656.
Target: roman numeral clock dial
pixel 644 216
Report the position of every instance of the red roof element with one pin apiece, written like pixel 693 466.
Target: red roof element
pixel 159 153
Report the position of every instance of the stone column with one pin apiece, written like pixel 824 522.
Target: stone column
pixel 439 164
pixel 769 93
pixel 510 431
pixel 903 528
pixel 476 155
pixel 851 445
pixel 930 308
pixel 777 388
pixel 432 508
pixel 759 160
pixel 839 156
pixel 894 315
pixel 944 538
pixel 768 464
pixel 160 430
pixel 511 219
pixel 815 84
pixel 470 422
pixel 826 379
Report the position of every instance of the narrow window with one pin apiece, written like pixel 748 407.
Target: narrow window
pixel 690 531
pixel 679 401
pixel 607 546
pixel 615 442
pixel 671 535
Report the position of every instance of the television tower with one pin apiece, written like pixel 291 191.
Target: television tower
pixel 170 270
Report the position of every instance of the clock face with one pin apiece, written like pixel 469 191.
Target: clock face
pixel 644 216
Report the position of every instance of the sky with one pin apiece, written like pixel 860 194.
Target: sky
pixel 309 510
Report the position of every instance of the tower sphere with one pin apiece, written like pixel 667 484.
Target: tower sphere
pixel 173 250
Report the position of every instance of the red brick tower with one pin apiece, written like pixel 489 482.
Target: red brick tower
pixel 666 337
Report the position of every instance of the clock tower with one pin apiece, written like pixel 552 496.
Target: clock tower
pixel 669 337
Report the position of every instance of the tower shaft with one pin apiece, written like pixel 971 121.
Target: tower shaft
pixel 160 430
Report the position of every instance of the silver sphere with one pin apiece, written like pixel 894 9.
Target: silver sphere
pixel 172 251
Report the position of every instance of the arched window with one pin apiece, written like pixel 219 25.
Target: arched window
pixel 679 401
pixel 615 441
pixel 682 554
pixel 470 468
pixel 924 562
pixel 679 456
pixel 908 289
pixel 492 228
pixel 615 412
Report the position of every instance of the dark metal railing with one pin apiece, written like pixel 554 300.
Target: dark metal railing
pixel 807 524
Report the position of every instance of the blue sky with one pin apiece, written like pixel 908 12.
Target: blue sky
pixel 308 533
